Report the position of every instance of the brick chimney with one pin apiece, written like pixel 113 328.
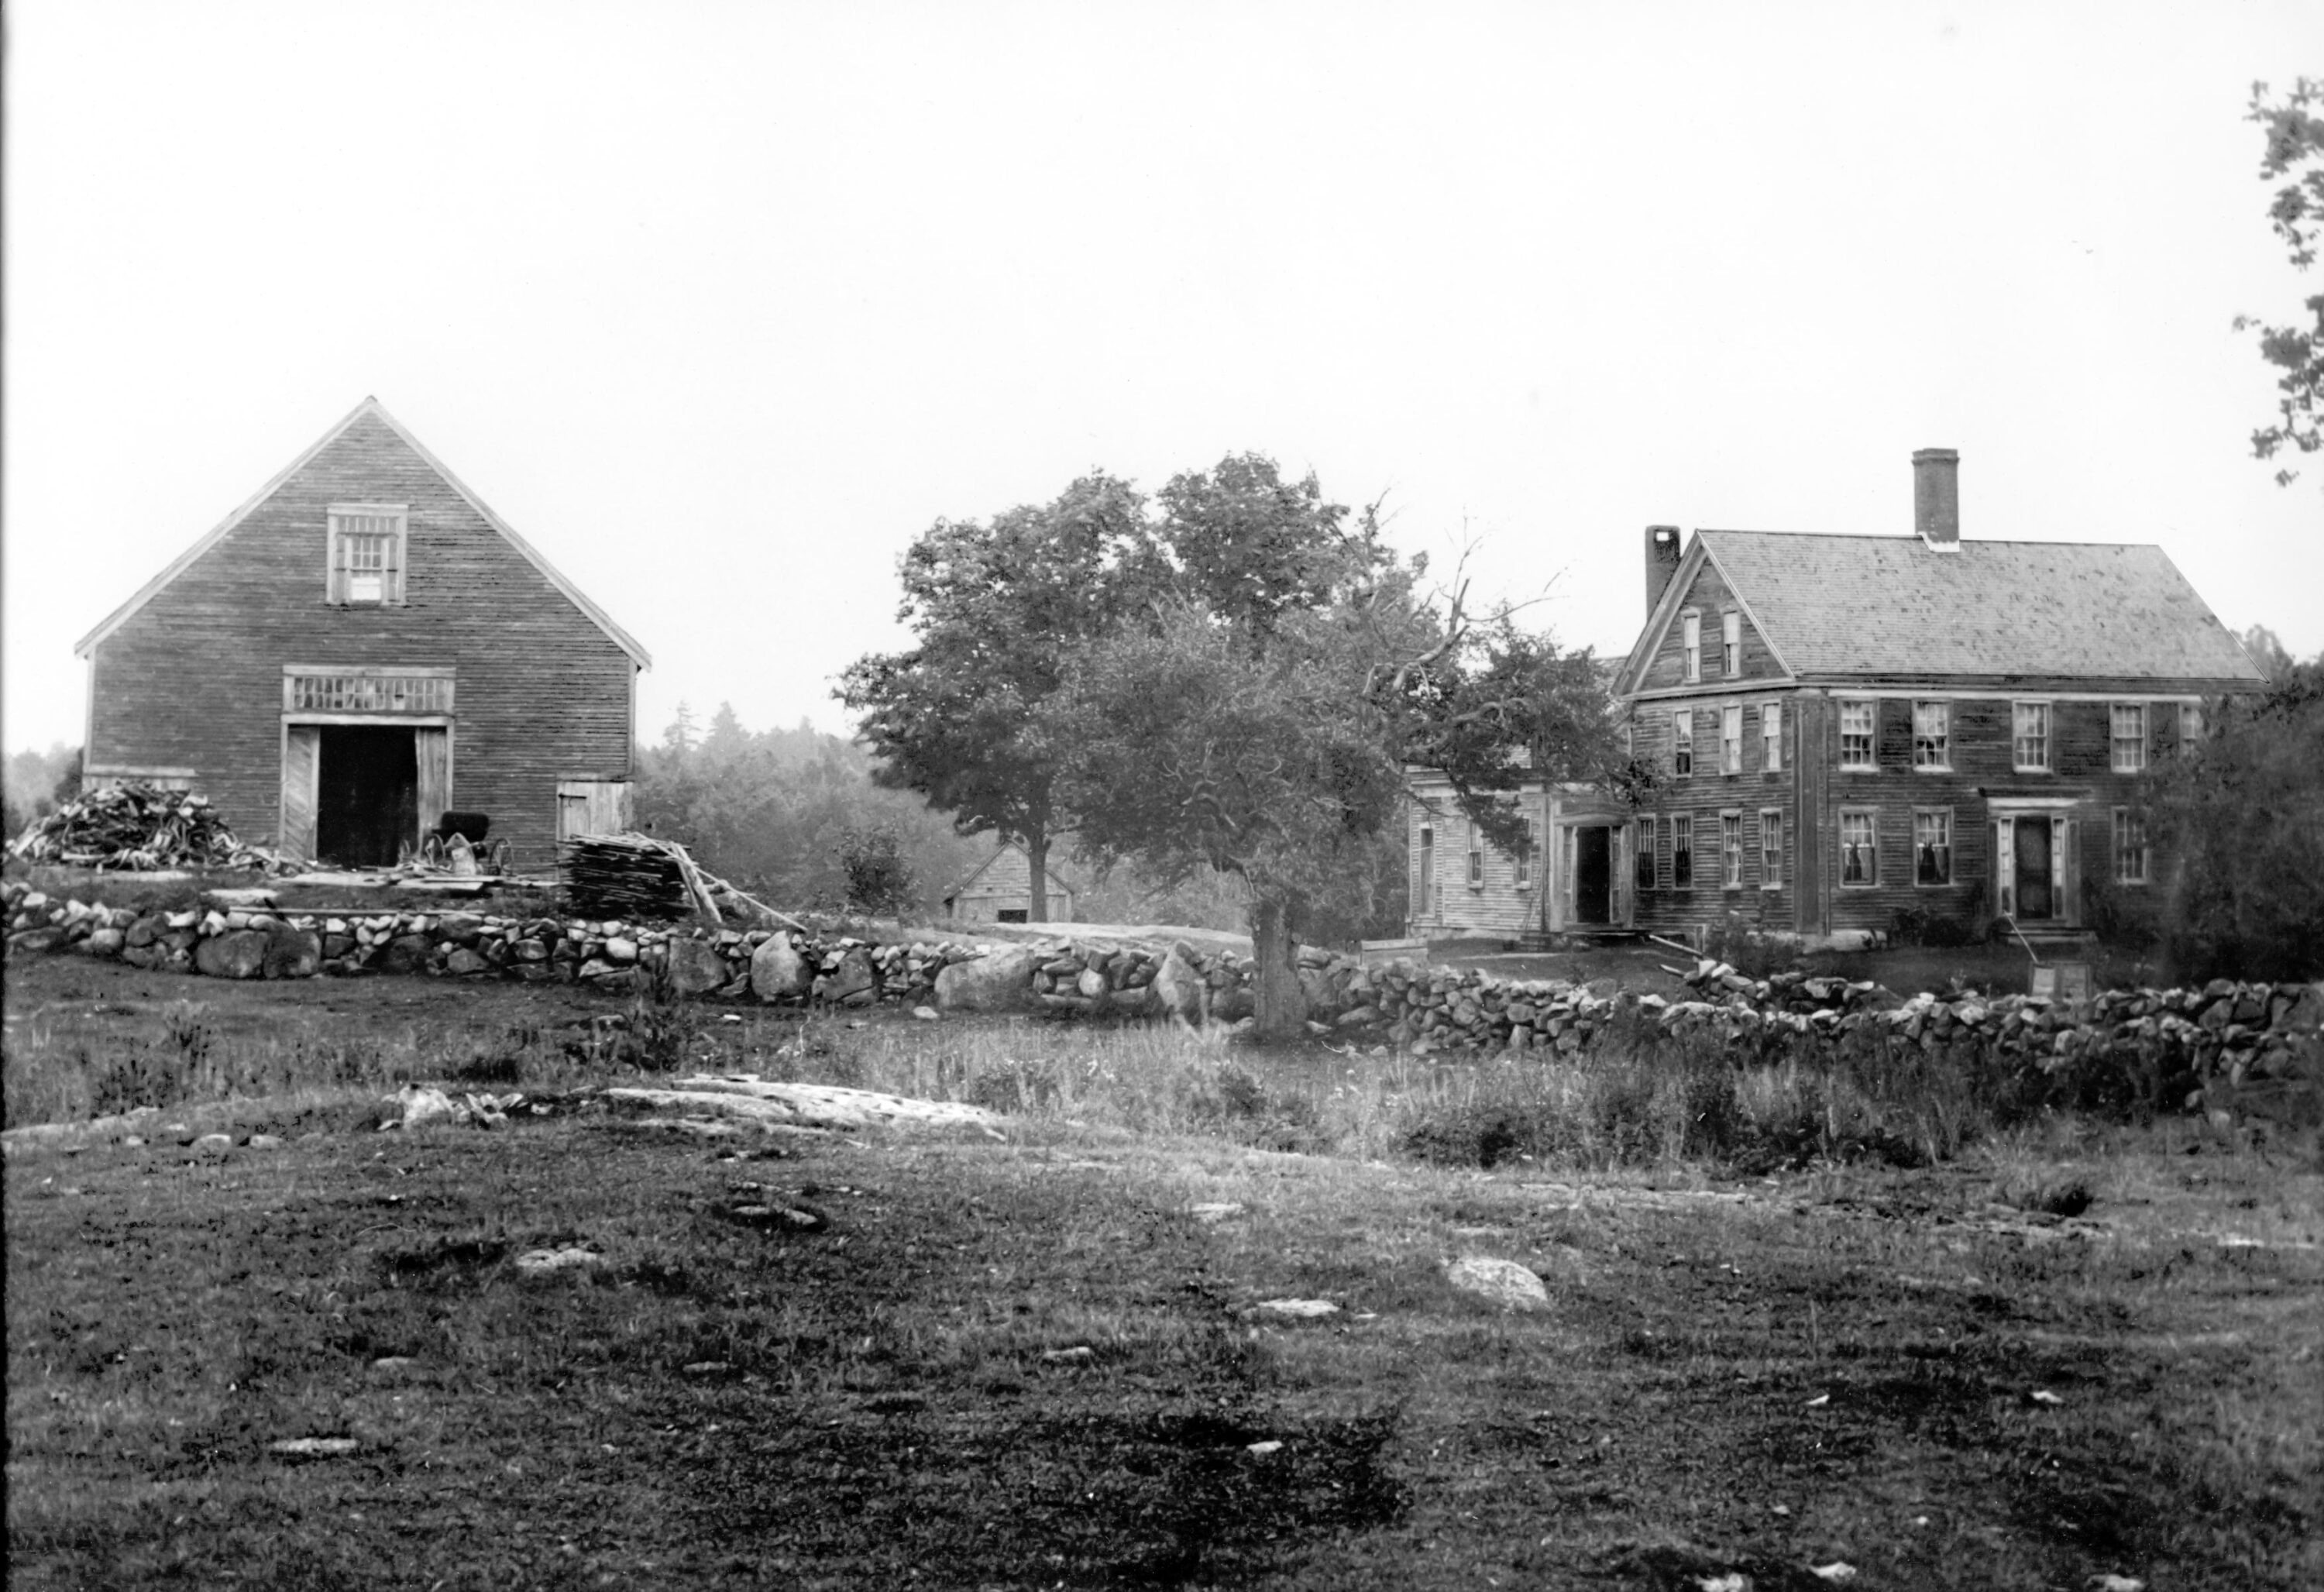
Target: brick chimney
pixel 1936 498
pixel 1662 562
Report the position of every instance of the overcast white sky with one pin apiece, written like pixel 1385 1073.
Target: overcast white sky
pixel 721 304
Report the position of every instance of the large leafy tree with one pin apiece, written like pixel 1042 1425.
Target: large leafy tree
pixel 1260 724
pixel 994 607
pixel 2294 157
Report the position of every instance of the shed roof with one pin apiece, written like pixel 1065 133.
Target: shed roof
pixel 1894 605
pixel 1057 885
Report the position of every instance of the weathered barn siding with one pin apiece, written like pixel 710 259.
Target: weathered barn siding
pixel 1004 883
pixel 194 676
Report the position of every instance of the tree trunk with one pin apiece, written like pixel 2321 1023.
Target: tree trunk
pixel 1037 853
pixel 1280 998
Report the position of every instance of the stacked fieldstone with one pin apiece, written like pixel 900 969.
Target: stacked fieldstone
pixel 2225 1035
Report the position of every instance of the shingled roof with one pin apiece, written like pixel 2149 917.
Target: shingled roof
pixel 1893 605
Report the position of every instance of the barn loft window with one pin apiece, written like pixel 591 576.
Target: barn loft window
pixel 367 547
pixel 2030 737
pixel 1856 735
pixel 1932 735
pixel 366 691
pixel 2127 736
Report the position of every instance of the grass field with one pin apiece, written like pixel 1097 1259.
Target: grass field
pixel 1031 1362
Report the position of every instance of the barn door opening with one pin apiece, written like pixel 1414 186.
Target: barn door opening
pixel 296 837
pixel 366 793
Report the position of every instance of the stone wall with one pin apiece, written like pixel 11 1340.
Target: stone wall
pixel 2179 1047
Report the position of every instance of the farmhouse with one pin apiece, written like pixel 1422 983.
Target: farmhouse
pixel 1000 890
pixel 360 647
pixel 1855 730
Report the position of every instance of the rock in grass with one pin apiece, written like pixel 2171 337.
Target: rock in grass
pixel 788 1217
pixel 1503 1283
pixel 567 1257
pixel 778 971
pixel 217 1143
pixel 239 953
pixel 1296 1310
pixel 313 1447
pixel 1213 1210
pixel 996 981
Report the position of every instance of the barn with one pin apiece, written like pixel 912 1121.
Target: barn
pixel 1000 890
pixel 360 647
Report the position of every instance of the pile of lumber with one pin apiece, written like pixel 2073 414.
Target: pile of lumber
pixel 637 876
pixel 134 825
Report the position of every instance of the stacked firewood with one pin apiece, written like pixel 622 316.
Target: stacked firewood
pixel 626 876
pixel 134 825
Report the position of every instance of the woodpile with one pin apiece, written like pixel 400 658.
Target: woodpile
pixel 639 875
pixel 134 825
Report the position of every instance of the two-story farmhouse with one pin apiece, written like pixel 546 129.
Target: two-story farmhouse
pixel 1853 727
pixel 360 647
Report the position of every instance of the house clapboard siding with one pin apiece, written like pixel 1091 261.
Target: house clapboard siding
pixel 191 673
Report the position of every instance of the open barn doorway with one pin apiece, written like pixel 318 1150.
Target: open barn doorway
pixel 366 794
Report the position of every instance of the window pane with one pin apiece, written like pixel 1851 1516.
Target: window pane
pixel 1858 859
pixel 1771 737
pixel 1682 742
pixel 1932 734
pixel 1856 735
pixel 2128 736
pixel 1771 847
pixel 1682 852
pixel 2031 742
pixel 1731 847
pixel 1932 848
pixel 1645 859
pixel 1730 740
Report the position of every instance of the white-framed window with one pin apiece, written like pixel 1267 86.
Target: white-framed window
pixel 1476 855
pixel 1524 857
pixel 2129 847
pixel 2029 737
pixel 1691 628
pixel 1856 719
pixel 1682 740
pixel 1730 740
pixel 1730 849
pixel 2190 723
pixel 2127 736
pixel 1771 847
pixel 1860 849
pixel 1771 738
pixel 367 553
pixel 1647 860
pixel 1731 643
pixel 1682 851
pixel 1932 735
pixel 1427 870
pixel 1933 846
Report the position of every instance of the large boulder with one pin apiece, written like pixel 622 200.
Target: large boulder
pixel 1178 990
pixel 695 968
pixel 778 971
pixel 292 953
pixel 1502 1283
pixel 997 981
pixel 853 980
pixel 239 953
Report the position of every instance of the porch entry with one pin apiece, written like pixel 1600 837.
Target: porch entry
pixel 2037 867
pixel 358 794
pixel 1592 877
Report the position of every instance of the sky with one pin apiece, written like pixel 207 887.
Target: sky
pixel 720 305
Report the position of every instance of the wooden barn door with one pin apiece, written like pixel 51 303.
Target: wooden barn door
pixel 302 762
pixel 433 745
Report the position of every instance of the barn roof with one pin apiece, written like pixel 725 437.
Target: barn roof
pixel 369 406
pixel 1894 605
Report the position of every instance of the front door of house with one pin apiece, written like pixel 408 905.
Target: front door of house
pixel 2036 901
pixel 1594 875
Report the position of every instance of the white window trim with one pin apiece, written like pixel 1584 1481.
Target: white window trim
pixel 1951 846
pixel 1730 713
pixel 399 512
pixel 2115 743
pixel 1839 836
pixel 1475 868
pixel 2049 735
pixel 1771 738
pixel 1937 702
pixel 1690 645
pixel 1771 879
pixel 1730 635
pixel 1871 765
pixel 1730 862
pixel 2145 851
pixel 1682 734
